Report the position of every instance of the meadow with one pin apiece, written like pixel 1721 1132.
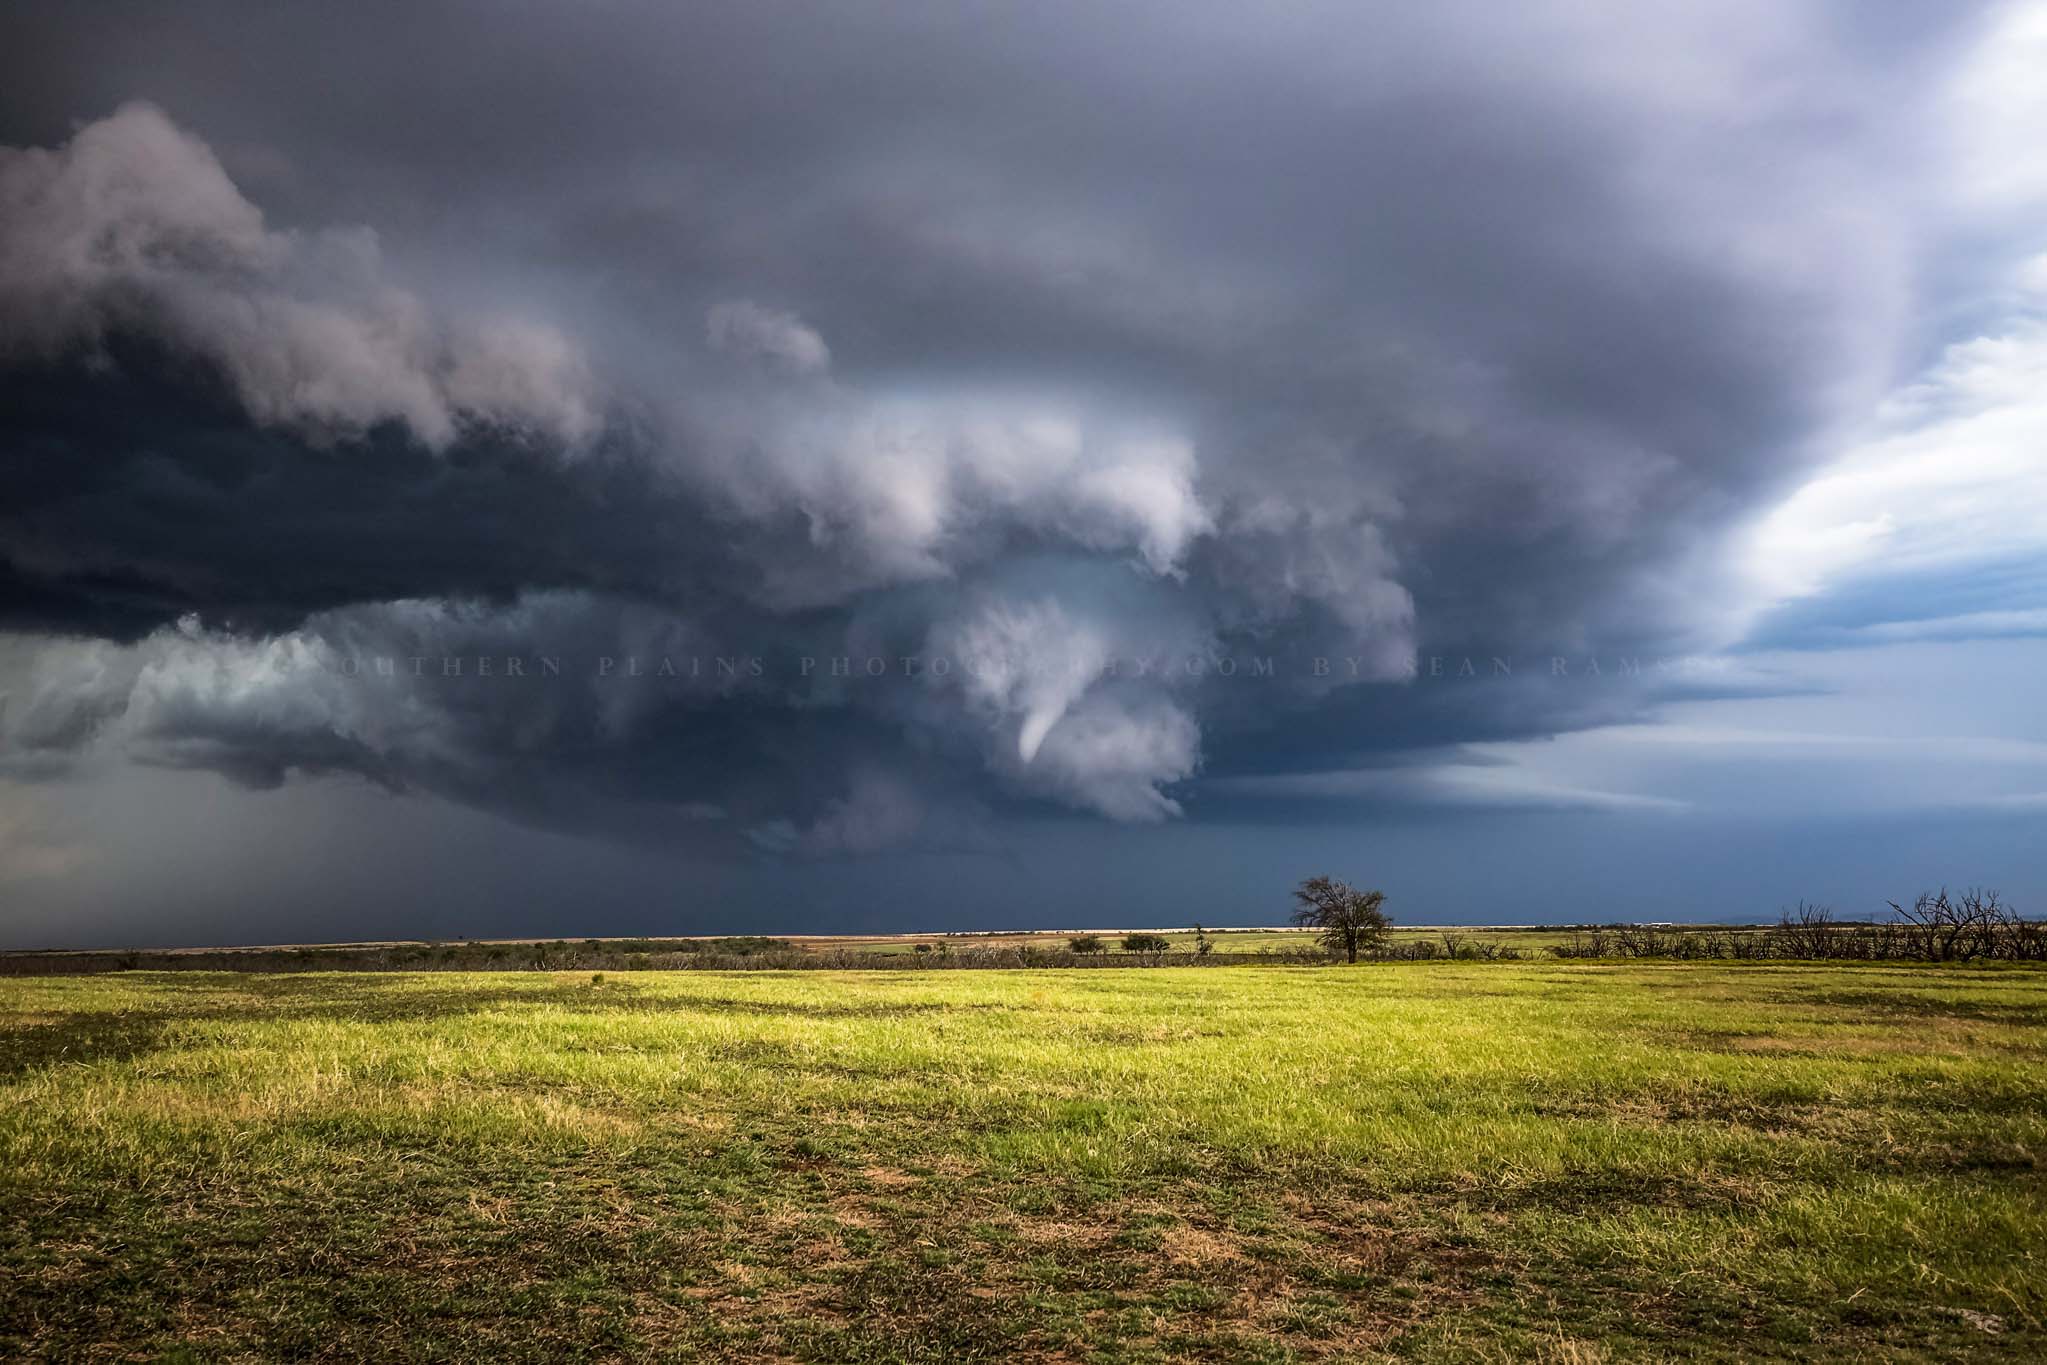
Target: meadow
pixel 1428 1160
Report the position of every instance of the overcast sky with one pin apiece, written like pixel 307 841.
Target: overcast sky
pixel 781 467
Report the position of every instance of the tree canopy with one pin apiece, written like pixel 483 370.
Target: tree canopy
pixel 1350 920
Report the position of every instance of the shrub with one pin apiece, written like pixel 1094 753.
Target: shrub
pixel 1085 943
pixel 750 945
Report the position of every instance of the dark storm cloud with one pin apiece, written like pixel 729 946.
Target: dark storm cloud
pixel 138 491
pixel 1007 333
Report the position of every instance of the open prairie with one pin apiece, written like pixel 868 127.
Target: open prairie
pixel 1429 1160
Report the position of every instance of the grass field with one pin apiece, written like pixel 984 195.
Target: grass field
pixel 1430 1160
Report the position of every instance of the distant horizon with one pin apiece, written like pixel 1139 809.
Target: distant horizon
pixel 904 935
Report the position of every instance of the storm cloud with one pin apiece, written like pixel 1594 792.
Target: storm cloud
pixel 1185 381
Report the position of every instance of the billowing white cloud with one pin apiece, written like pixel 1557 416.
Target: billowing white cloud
pixel 464 698
pixel 1954 473
pixel 1950 472
pixel 1114 749
pixel 1997 111
pixel 1058 694
pixel 1024 662
pixel 899 489
pixel 134 224
pixel 430 691
pixel 1279 554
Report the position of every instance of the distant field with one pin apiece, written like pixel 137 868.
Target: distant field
pixel 629 954
pixel 1431 1160
pixel 1181 940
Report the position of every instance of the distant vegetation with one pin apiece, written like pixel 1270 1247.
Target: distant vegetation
pixel 1937 927
pixel 1338 923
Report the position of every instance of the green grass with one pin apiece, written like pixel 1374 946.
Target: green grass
pixel 1433 1160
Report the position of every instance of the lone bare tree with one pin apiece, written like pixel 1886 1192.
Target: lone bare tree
pixel 1350 919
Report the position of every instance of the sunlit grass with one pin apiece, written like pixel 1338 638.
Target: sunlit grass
pixel 1433 1159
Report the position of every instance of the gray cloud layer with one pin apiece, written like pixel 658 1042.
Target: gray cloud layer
pixel 1030 337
